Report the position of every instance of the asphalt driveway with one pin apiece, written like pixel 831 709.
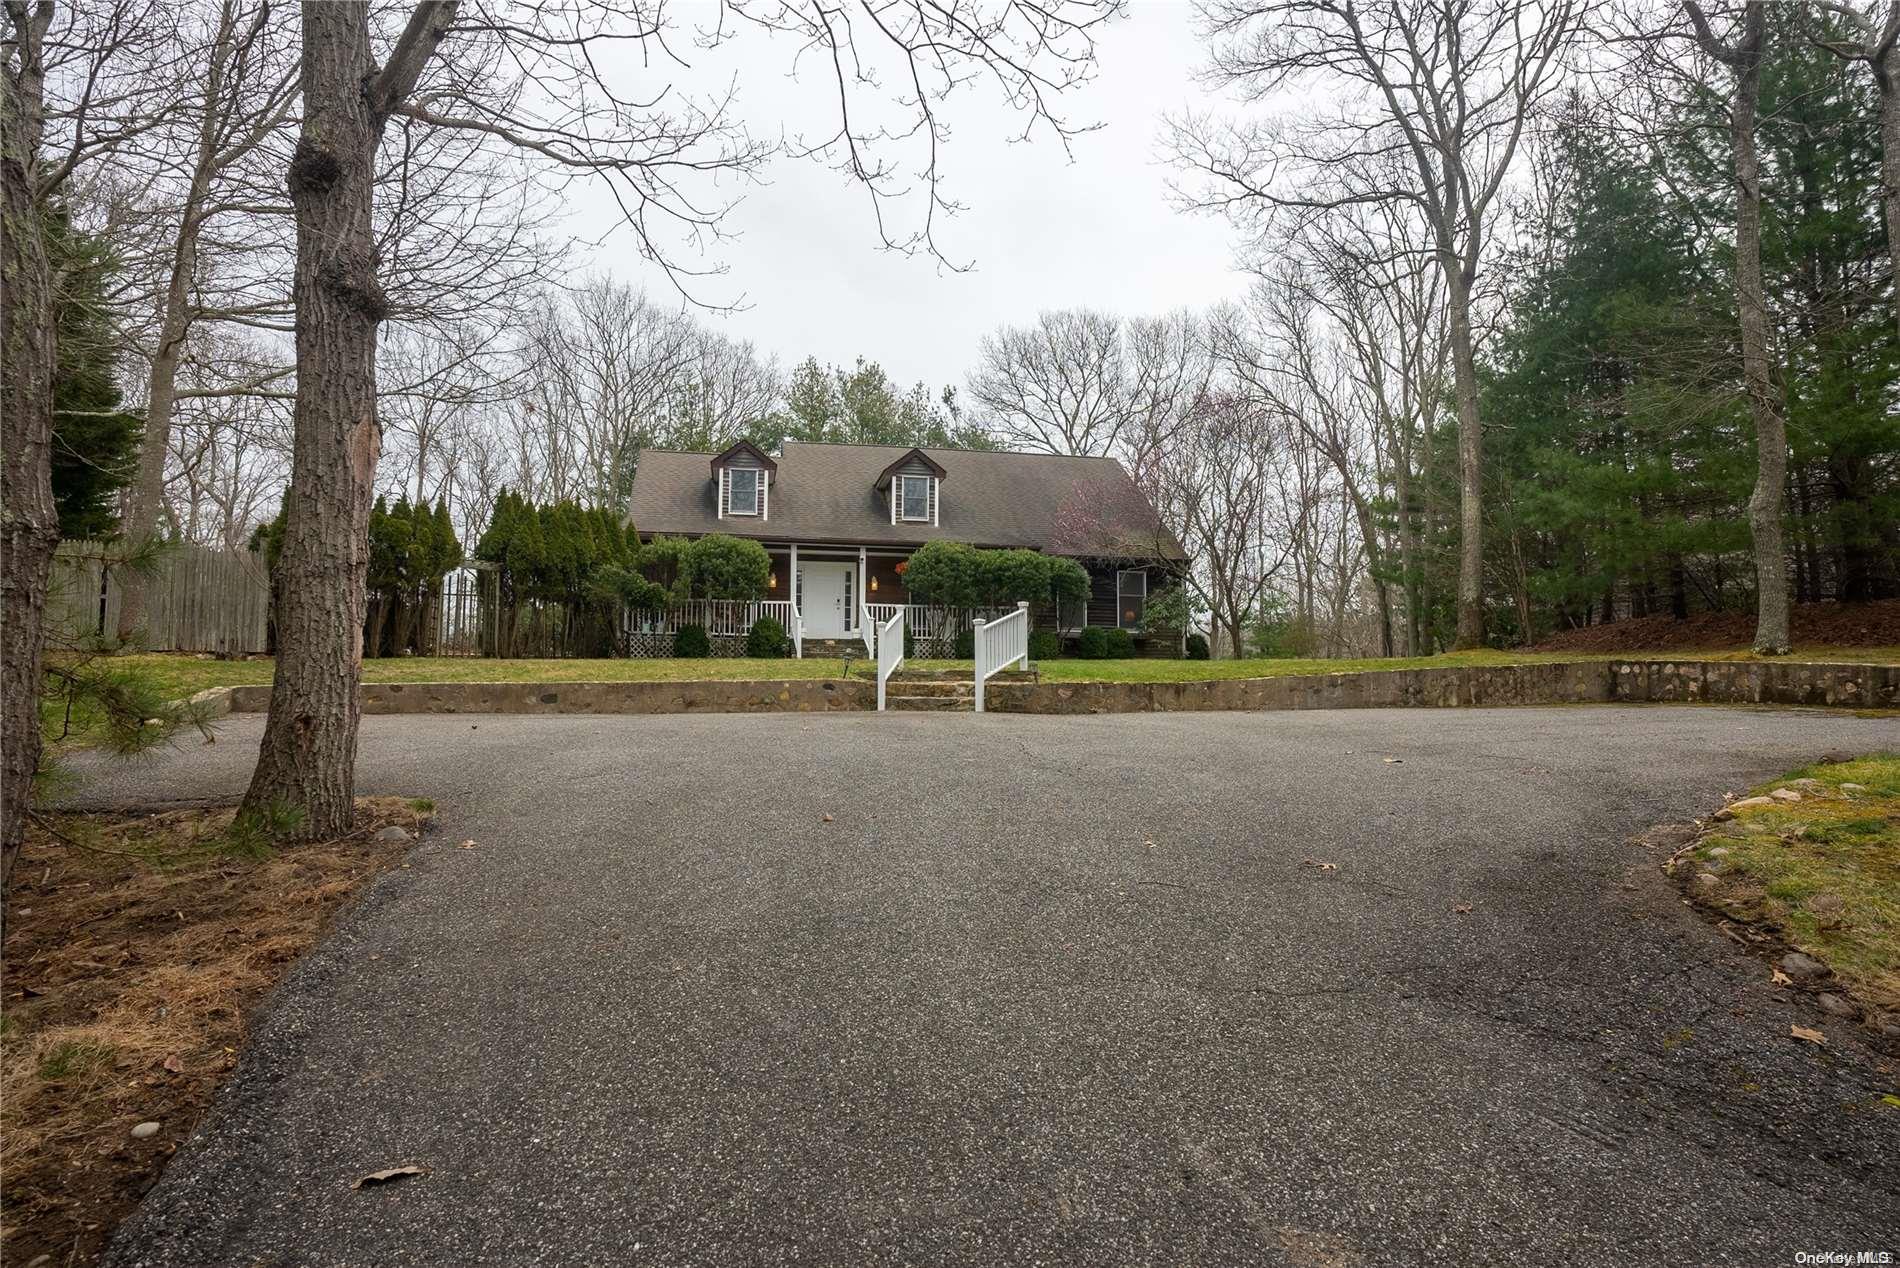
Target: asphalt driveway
pixel 1043 990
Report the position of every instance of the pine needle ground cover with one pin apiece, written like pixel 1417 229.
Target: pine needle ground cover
pixel 136 945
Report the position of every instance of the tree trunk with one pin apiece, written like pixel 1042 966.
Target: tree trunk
pixel 1408 555
pixel 1887 80
pixel 29 520
pixel 1470 463
pixel 307 761
pixel 1771 431
pixel 308 757
pixel 174 321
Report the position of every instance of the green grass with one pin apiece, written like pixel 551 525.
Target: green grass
pixel 1824 871
pixel 184 675
pixel 74 1057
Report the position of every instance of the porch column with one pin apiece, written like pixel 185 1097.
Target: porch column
pixel 859 588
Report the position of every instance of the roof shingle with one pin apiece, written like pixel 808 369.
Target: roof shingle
pixel 827 493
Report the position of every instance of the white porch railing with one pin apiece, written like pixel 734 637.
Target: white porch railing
pixel 1000 644
pixel 890 652
pixel 927 622
pixel 796 628
pixel 722 618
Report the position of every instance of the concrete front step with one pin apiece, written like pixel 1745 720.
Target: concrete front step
pixel 938 703
pixel 833 648
pixel 963 676
pixel 932 687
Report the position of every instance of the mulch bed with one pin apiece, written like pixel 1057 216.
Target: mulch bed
pixel 136 945
pixel 1814 625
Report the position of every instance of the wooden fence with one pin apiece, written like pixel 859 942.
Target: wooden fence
pixel 196 599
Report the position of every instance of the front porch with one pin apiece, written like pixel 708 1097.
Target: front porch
pixel 933 631
pixel 836 596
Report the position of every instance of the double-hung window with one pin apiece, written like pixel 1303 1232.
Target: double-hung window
pixel 1131 589
pixel 913 492
pixel 743 495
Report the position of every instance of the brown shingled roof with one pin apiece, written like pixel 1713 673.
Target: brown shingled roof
pixel 828 493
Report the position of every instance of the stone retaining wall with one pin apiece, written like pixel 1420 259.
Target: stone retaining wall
pixel 797 695
pixel 1575 682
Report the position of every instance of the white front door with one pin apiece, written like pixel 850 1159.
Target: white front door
pixel 822 594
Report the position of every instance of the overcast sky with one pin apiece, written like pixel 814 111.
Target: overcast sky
pixel 1044 230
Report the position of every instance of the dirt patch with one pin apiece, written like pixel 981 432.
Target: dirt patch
pixel 1813 625
pixel 136 945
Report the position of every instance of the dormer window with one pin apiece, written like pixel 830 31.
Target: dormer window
pixel 911 488
pixel 915 498
pixel 743 477
pixel 743 495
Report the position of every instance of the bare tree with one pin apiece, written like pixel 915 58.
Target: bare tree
pixel 1214 485
pixel 1742 54
pixel 1085 382
pixel 1878 45
pixel 1294 358
pixel 532 80
pixel 1059 386
pixel 242 90
pixel 1410 101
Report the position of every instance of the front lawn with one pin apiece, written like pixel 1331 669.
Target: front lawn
pixel 182 675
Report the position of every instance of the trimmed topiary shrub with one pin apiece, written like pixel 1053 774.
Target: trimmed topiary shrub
pixel 1121 644
pixel 1044 645
pixel 1197 647
pixel 691 643
pixel 966 645
pixel 1093 643
pixel 766 639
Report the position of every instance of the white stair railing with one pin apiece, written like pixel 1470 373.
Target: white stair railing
pixel 1000 644
pixel 890 652
pixel 798 633
pixel 867 629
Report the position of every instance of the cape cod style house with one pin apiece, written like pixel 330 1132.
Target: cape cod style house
pixel 839 522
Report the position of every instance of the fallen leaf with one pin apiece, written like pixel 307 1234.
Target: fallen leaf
pixel 1803 1032
pixel 1149 844
pixel 387 1174
pixel 828 819
pixel 1324 867
pixel 175 1064
pixel 466 845
pixel 1779 978
pixel 1392 761
pixel 1891 1099
pixel 1463 909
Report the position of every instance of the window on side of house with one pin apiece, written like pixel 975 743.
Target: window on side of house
pixel 743 497
pixel 913 498
pixel 1131 589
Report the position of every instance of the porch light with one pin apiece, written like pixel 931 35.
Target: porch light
pixel 771 581
pixel 873 583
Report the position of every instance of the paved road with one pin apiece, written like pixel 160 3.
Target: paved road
pixel 667 1015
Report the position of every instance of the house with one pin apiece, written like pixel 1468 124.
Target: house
pixel 839 521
